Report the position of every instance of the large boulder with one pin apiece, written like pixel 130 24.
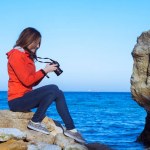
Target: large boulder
pixel 19 120
pixel 140 79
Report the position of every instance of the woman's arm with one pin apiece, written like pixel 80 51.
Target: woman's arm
pixel 24 69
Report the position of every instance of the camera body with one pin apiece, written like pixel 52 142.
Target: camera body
pixel 58 71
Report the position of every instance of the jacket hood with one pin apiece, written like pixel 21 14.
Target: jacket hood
pixel 14 49
pixel 9 53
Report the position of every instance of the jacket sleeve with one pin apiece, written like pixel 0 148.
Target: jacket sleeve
pixel 24 69
pixel 36 83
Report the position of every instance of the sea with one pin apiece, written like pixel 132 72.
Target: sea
pixel 110 118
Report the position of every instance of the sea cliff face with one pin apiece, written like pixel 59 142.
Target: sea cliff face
pixel 140 79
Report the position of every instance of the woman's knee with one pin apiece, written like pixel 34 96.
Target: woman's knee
pixel 53 87
pixel 55 90
pixel 60 95
pixel 61 92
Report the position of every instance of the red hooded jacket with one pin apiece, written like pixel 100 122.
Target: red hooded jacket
pixel 22 73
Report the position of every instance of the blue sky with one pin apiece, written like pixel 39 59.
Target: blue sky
pixel 91 39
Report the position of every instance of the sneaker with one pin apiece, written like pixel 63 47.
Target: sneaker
pixel 37 126
pixel 74 135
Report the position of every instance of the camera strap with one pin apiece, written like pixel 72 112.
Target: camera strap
pixel 33 55
pixel 44 61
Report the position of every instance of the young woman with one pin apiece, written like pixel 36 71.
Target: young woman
pixel 23 76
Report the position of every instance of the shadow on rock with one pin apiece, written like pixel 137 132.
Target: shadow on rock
pixel 97 146
pixel 145 135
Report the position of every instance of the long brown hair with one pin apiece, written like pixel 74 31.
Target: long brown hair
pixel 27 36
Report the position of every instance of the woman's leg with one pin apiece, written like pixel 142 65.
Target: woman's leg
pixel 63 111
pixel 41 98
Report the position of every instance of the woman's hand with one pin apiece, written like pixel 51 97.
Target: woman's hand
pixel 50 68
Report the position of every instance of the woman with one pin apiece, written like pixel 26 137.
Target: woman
pixel 23 76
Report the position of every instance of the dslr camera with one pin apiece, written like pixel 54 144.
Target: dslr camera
pixel 58 71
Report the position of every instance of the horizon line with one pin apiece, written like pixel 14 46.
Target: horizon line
pixel 94 91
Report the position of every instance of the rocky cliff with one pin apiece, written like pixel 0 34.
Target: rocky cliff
pixel 140 80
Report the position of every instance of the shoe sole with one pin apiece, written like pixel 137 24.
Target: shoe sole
pixel 35 129
pixel 78 140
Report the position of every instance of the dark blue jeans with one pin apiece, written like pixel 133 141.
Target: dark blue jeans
pixel 41 98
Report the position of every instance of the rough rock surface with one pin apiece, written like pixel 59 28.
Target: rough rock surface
pixel 14 134
pixel 43 146
pixel 19 121
pixel 14 145
pixel 140 79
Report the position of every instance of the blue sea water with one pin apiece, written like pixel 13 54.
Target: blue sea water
pixel 110 118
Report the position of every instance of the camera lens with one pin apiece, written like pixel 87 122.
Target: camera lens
pixel 58 71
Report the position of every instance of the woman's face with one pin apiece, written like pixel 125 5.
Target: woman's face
pixel 34 45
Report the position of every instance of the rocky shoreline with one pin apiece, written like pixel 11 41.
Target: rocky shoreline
pixel 14 135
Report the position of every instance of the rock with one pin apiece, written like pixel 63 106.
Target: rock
pixel 97 146
pixel 145 135
pixel 39 137
pixel 140 79
pixel 75 146
pixel 11 133
pixel 54 126
pixel 14 145
pixel 67 143
pixel 13 125
pixel 17 120
pixel 13 129
pixel 20 120
pixel 43 146
pixel 62 140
